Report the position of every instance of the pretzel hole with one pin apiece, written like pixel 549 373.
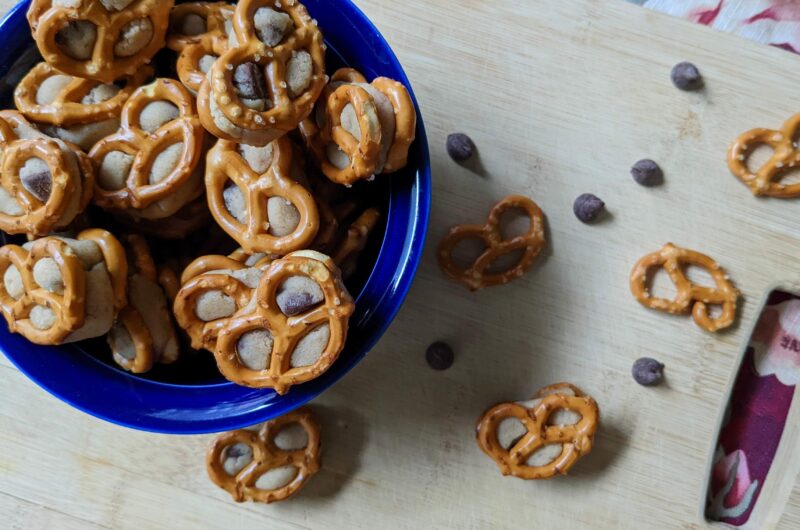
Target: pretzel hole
pixel 250 86
pixel 100 93
pixel 544 455
pixel 291 437
pixel 467 251
pixel 114 170
pixel 12 281
pixel 235 202
pixel 116 5
pixel 134 37
pixel 206 62
pixel 789 177
pixel 9 205
pixel 514 222
pixel 77 39
pixel 283 216
pixel 47 275
pixel 276 478
pixel 121 342
pixel 157 113
pixel 757 155
pixel 36 178
pixel 214 305
pixel 560 416
pixel 42 318
pixel 165 162
pixel 659 284
pixel 271 26
pixel 258 158
pixel 51 87
pixel 510 431
pixel 714 311
pixel 506 262
pixel 699 275
pixel 254 349
pixel 299 71
pixel 190 24
pixel 310 348
pixel 236 457
pixel 298 294
pixel 336 156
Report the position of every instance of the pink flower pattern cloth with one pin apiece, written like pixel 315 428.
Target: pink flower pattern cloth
pixel 774 22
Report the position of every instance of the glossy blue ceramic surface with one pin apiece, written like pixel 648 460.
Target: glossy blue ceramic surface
pixel 88 383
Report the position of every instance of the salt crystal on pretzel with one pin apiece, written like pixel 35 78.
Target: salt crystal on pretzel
pixel 60 290
pixel 689 296
pixel 267 84
pixel 271 464
pixel 102 40
pixel 143 333
pixel 44 182
pixel 479 274
pixel 152 167
pixel 543 437
pixel 254 199
pixel 293 330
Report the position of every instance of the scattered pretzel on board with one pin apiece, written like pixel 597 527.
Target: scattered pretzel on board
pixel 543 437
pixel 689 296
pixel 766 180
pixel 269 465
pixel 89 38
pixel 268 322
pixel 478 274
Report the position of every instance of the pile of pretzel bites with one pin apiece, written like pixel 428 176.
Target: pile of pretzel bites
pixel 233 129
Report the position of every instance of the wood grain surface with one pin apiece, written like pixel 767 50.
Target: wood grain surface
pixel 561 98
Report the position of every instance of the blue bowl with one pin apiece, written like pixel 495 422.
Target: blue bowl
pixel 82 374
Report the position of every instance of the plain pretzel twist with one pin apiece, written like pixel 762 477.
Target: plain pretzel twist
pixel 47 19
pixel 576 440
pixel 689 296
pixel 132 140
pixel 225 164
pixel 476 275
pixel 785 157
pixel 287 331
pixel 192 48
pixel 67 107
pixel 260 128
pixel 267 456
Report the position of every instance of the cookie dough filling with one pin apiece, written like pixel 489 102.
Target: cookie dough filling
pixel 165 163
pixel 292 437
pixel 299 71
pixel 254 349
pixel 276 478
pixel 114 170
pixel 206 62
pixel 114 5
pixel 77 39
pixel 190 24
pixel 298 294
pixel 282 216
pixel 133 37
pixel 271 26
pixel 248 81
pixel 236 457
pixel 214 305
pixel 36 178
pixel 157 113
pixel 258 158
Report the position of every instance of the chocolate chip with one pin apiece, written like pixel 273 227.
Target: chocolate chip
pixel 647 371
pixel 686 76
pixel 249 81
pixel 238 450
pixel 647 173
pixel 460 147
pixel 439 356
pixel 38 184
pixel 296 303
pixel 588 207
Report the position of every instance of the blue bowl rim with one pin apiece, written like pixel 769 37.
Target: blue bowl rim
pixel 404 276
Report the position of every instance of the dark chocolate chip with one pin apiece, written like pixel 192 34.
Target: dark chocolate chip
pixel 296 303
pixel 686 76
pixel 439 356
pixel 588 207
pixel 38 184
pixel 249 81
pixel 460 147
pixel 237 451
pixel 647 371
pixel 647 173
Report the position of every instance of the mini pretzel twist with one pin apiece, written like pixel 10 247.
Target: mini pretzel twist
pixel 192 48
pixel 576 440
pixel 144 147
pixel 287 331
pixel 267 456
pixel 477 275
pixel 688 295
pixel 67 108
pixel 47 18
pixel 70 174
pixel 285 113
pixel 115 261
pixel 225 165
pixel 199 278
pixel 347 87
pixel 785 157
pixel 67 306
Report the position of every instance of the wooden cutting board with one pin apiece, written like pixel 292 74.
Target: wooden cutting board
pixel 561 98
